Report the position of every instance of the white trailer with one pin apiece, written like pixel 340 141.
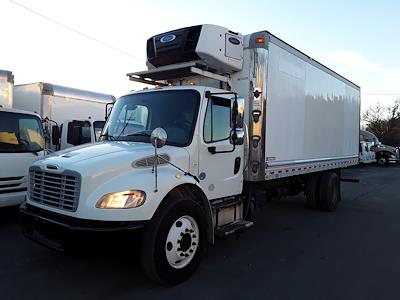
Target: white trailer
pixel 230 117
pixel 6 88
pixel 66 108
pixel 21 143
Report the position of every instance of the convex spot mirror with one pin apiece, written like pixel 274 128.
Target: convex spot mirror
pixel 158 137
pixel 237 110
pixel 237 136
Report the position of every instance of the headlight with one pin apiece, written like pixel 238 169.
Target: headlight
pixel 125 199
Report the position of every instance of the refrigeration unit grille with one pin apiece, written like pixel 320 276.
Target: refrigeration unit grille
pixel 59 190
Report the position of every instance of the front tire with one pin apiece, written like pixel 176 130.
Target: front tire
pixel 382 161
pixel 174 241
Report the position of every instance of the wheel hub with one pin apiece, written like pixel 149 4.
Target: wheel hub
pixel 182 242
pixel 381 161
pixel 185 242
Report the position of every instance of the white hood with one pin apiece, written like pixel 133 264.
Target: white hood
pixel 109 156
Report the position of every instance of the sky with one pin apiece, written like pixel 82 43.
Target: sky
pixel 92 45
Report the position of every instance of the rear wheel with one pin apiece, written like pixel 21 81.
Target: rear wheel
pixel 174 241
pixel 312 191
pixel 329 191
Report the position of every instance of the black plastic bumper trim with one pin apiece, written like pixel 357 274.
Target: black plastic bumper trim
pixel 76 224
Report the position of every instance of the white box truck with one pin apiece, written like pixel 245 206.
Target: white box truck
pixel 230 116
pixel 72 116
pixel 21 143
pixel 6 88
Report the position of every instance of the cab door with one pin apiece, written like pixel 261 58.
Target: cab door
pixel 220 162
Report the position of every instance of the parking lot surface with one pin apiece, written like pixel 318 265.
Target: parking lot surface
pixel 292 252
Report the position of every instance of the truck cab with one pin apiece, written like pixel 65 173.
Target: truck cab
pixel 384 154
pixel 182 142
pixel 21 144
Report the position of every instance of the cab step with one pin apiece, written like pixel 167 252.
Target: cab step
pixel 220 205
pixel 232 228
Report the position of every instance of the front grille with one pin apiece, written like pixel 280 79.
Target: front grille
pixel 59 190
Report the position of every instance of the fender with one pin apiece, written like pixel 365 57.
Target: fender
pixel 385 153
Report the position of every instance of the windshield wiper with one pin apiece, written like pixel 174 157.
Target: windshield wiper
pixel 140 133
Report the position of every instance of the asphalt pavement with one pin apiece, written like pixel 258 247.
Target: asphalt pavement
pixel 291 252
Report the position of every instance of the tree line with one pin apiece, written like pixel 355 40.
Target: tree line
pixel 384 122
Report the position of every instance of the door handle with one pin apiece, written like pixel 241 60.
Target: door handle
pixel 213 150
pixel 236 167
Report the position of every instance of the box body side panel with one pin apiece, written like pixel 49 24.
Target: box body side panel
pixel 310 115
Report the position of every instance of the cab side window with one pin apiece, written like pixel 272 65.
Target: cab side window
pixel 217 120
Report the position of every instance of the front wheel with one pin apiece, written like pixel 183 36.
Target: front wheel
pixel 173 241
pixel 382 161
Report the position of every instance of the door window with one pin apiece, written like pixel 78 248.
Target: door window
pixel 217 120
pixel 85 131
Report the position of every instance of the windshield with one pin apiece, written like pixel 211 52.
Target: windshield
pixel 135 116
pixel 20 133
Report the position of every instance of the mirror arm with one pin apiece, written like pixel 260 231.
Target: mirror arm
pixel 46 119
pixel 156 165
pixel 176 167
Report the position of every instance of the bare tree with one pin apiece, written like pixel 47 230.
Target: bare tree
pixel 376 120
pixel 384 122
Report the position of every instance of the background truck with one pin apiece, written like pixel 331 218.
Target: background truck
pixel 21 143
pixel 72 116
pixel 231 118
pixel 384 154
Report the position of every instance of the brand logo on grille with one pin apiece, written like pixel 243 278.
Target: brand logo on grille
pixel 168 38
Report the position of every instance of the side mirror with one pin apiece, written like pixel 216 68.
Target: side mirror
pixel 55 135
pixel 109 107
pixel 237 109
pixel 158 137
pixel 237 136
pixel 76 137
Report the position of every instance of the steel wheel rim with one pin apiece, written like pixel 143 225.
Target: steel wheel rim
pixel 381 161
pixel 182 242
